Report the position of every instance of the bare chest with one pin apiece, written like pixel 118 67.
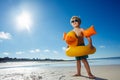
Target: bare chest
pixel 78 32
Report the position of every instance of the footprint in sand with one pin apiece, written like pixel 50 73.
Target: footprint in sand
pixel 61 77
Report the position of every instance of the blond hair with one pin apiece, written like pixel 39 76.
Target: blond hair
pixel 75 18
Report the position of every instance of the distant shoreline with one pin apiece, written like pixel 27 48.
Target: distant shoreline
pixel 7 59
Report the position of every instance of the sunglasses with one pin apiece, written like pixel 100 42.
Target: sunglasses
pixel 74 21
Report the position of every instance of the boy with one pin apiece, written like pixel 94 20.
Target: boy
pixel 75 22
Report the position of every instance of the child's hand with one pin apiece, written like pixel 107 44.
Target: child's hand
pixel 91 46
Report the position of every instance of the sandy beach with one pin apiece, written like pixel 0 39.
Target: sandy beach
pixel 102 72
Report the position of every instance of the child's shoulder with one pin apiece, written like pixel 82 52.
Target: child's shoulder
pixel 82 29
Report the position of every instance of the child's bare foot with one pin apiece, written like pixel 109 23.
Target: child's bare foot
pixel 91 76
pixel 77 75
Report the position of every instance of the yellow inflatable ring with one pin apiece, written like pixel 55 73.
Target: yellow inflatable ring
pixel 79 51
pixel 74 50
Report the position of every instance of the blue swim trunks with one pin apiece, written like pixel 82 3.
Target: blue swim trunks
pixel 81 57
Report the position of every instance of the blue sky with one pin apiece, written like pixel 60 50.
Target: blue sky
pixel 48 19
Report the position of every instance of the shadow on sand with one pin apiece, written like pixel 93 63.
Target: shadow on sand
pixel 96 78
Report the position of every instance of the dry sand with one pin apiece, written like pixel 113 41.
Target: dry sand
pixel 109 72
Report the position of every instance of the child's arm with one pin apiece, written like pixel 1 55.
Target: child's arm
pixel 88 38
pixel 90 42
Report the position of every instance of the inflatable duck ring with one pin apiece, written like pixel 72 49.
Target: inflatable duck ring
pixel 72 41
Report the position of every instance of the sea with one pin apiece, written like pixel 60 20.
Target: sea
pixel 65 63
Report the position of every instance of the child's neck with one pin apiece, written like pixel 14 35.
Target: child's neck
pixel 77 27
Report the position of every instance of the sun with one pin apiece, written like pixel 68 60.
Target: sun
pixel 24 21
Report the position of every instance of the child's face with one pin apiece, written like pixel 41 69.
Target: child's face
pixel 75 23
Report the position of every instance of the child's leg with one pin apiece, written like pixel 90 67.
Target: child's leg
pixel 78 65
pixel 88 68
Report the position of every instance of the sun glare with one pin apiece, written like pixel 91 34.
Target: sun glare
pixel 24 21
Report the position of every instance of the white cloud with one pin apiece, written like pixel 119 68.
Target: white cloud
pixel 4 35
pixel 35 51
pixel 31 51
pixel 55 52
pixel 102 46
pixel 20 52
pixel 46 50
pixel 63 48
pixel 6 53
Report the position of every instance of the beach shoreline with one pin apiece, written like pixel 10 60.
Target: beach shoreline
pixel 102 72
